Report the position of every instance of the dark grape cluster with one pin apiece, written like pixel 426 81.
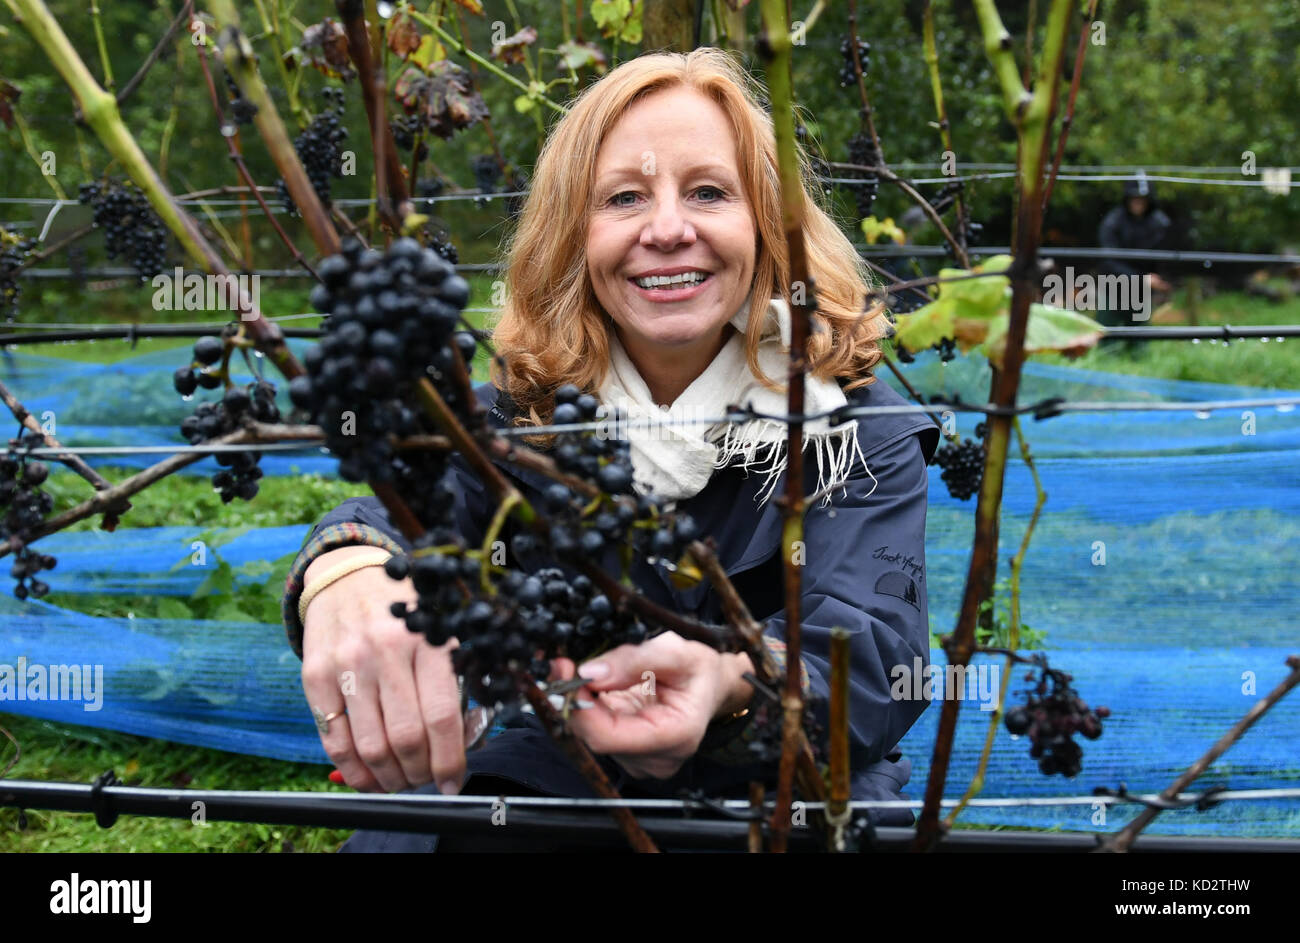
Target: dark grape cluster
pixel 440 242
pixel 13 253
pixel 769 720
pixel 25 506
pixel 406 130
pixel 863 151
pixel 1051 716
pixel 392 323
pixel 429 187
pixel 487 174
pixel 392 320
pixel 319 150
pixel 241 109
pixel 847 75
pixel 963 466
pixel 947 348
pixel 130 225
pixel 239 475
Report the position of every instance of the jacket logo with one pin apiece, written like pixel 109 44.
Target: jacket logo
pixel 898 583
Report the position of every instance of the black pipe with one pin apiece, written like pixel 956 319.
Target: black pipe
pixel 594 828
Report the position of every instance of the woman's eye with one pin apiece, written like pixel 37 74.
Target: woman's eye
pixel 714 190
pixel 615 199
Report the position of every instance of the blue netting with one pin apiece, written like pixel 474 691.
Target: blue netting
pixel 1163 573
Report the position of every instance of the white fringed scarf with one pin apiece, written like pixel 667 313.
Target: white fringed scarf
pixel 674 458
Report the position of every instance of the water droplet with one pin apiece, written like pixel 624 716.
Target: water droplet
pixel 187 398
pixel 258 354
pixel 1263 340
pixel 228 130
pixel 1286 408
pixel 1202 414
pixel 1207 264
pixel 1196 340
pixel 1280 339
pixel 384 9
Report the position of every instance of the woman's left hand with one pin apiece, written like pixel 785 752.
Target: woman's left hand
pixel 654 701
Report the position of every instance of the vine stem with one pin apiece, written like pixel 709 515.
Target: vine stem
pixel 241 64
pixel 1121 840
pixel 958 251
pixel 393 202
pixel 945 130
pixel 74 462
pixel 1013 642
pixel 775 46
pixel 582 758
pixel 25 134
pixel 149 61
pixel 485 63
pixel 99 41
pixel 1068 121
pixel 1029 114
pixel 100 109
pixel 242 167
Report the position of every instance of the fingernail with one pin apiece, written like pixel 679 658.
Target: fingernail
pixel 594 671
pixel 449 787
pixel 336 776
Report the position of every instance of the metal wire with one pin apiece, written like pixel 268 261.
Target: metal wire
pixel 1282 403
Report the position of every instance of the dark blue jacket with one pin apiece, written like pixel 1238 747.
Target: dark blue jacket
pixel 865 572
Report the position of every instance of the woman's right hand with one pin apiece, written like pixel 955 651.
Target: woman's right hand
pixel 403 725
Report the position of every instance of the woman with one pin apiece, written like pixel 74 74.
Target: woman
pixel 652 223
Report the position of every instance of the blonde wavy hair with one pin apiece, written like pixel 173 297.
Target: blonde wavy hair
pixel 552 329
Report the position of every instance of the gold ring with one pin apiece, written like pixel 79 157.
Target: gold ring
pixel 323 719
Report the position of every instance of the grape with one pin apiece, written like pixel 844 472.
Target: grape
pixel 318 149
pixel 847 75
pixel 1052 714
pixel 487 172
pixel 863 151
pixel 130 225
pixel 25 506
pixel 13 253
pixel 963 467
pixel 255 401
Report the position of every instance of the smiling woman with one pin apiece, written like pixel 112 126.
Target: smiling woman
pixel 649 274
pixel 667 165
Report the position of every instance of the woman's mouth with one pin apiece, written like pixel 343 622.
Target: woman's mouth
pixel 679 287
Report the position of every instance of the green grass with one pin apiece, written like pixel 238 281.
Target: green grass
pixel 1243 362
pixel 63 753
pixel 189 500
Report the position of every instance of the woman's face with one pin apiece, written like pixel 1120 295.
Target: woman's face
pixel 668 200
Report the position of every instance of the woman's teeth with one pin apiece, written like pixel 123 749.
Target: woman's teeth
pixel 681 280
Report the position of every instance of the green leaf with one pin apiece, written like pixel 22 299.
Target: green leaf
pixel 219 580
pixel 1048 330
pixel 610 14
pixel 169 607
pixel 925 326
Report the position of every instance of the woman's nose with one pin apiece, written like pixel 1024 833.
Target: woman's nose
pixel 668 226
